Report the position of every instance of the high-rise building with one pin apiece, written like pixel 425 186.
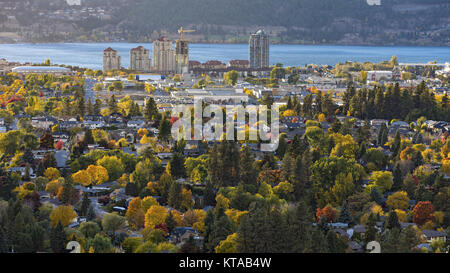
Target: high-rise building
pixel 163 56
pixel 140 59
pixel 181 56
pixel 111 60
pixel 259 50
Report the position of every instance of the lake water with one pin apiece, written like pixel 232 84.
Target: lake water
pixel 90 54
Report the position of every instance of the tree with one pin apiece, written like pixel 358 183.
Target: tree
pixel 113 165
pixel 58 239
pixel 231 77
pixel 164 130
pixel 170 222
pixel 344 215
pixel 112 222
pixel 382 180
pixel 175 197
pixel 135 213
pixel 392 221
pixel 229 245
pixel 89 229
pixel 218 230
pixel 398 200
pixel 51 173
pixel 63 215
pixel 177 169
pixel 423 212
pixel 155 215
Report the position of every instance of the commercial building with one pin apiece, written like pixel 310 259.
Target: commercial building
pixel 53 70
pixel 140 59
pixel 181 57
pixel 111 60
pixel 163 56
pixel 259 50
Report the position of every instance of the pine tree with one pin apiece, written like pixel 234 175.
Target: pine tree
pixel 177 168
pixel 318 242
pixel 371 230
pixel 89 107
pixel 175 195
pixel 392 221
pixel 345 216
pixel 398 178
pixel 91 215
pixel 40 169
pixel 98 106
pixel 247 173
pixel 58 239
pixel 85 203
pixel 396 145
pixel 88 137
pixel 3 245
pixel 209 196
pixel 170 222
pixel 112 104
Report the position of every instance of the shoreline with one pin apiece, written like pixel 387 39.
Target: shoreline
pixel 230 43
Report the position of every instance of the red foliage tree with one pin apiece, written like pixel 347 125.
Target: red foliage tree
pixel 162 227
pixel 59 145
pixel 423 212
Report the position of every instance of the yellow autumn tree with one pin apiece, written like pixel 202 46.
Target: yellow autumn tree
pixel 229 245
pixel 97 174
pixel 52 173
pixel 82 178
pixel 135 213
pixel 149 201
pixel 222 202
pixel 155 215
pixel 63 214
pixel 398 200
pixel 53 186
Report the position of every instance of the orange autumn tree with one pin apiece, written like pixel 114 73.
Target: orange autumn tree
pixel 423 212
pixel 328 212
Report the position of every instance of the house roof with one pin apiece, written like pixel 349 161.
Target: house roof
pixel 433 233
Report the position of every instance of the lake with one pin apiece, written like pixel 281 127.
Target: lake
pixel 90 54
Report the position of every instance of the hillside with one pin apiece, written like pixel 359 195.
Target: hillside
pixel 297 20
pixel 394 22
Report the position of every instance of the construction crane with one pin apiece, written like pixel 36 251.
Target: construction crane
pixel 181 31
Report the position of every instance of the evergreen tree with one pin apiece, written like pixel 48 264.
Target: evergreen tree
pixel 97 106
pixel 91 215
pixel 392 221
pixel 40 169
pixel 247 173
pixel 112 104
pixel 175 199
pixel 396 145
pixel 28 156
pixel 3 245
pixel 58 239
pixel 209 196
pixel 318 242
pixel 88 137
pixel 398 178
pixel 345 216
pixel 170 222
pixel 85 203
pixel 177 168
pixel 371 230
pixel 89 108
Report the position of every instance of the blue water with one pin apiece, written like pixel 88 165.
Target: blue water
pixel 90 54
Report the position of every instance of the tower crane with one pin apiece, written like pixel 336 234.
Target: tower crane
pixel 182 30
